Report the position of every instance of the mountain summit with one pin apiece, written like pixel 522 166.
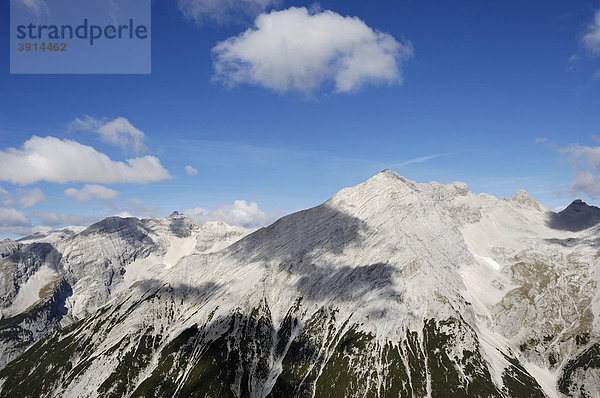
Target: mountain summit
pixel 389 288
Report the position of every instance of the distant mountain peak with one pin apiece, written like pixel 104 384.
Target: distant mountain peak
pixel 523 197
pixel 578 206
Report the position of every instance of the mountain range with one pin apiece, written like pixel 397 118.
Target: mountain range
pixel 391 288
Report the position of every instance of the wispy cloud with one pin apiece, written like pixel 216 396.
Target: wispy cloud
pixel 30 197
pixel 421 159
pixel 591 39
pixel 119 132
pixel 548 143
pixel 6 199
pixel 34 6
pixel 223 11
pixel 91 191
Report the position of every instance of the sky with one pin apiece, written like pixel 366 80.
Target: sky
pixel 254 109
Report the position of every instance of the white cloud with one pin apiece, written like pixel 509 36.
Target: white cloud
pixel 91 191
pixel 190 170
pixel 124 214
pixel 585 162
pixel 54 219
pixel 30 197
pixel 223 11
pixel 591 40
pixel 548 143
pixel 34 6
pixel 119 132
pixel 59 160
pixel 586 182
pixel 239 213
pixel 297 51
pixel 6 199
pixel 421 159
pixel 11 217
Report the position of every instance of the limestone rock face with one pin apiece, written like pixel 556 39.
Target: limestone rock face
pixel 390 288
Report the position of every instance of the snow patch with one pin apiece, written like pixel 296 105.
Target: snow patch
pixel 489 261
pixel 29 293
pixel 545 378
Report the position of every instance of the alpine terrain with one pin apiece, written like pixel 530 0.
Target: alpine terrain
pixel 390 288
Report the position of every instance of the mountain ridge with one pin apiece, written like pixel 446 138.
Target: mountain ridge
pixel 382 275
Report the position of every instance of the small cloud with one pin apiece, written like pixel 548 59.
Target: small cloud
pixel 34 6
pixel 119 132
pixel 223 11
pixel 572 62
pixel 297 51
pixel 59 160
pixel 545 142
pixel 585 163
pixel 11 217
pixel 124 214
pixel 6 199
pixel 591 39
pixel 30 197
pixel 421 159
pixel 89 192
pixel 239 213
pixel 55 219
pixel 190 170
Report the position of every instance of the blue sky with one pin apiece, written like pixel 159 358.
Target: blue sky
pixel 502 96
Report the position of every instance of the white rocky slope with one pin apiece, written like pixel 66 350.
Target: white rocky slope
pixel 390 288
pixel 51 279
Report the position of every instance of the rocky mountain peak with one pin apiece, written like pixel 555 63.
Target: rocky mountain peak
pixel 522 197
pixel 576 217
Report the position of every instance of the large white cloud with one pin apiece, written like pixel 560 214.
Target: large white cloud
pixel 119 132
pixel 223 11
pixel 60 160
pixel 239 213
pixel 591 40
pixel 91 191
pixel 585 162
pixel 297 51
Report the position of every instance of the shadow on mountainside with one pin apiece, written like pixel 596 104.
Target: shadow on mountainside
pixel 319 229
pixel 296 242
pixel 346 283
pixel 180 291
